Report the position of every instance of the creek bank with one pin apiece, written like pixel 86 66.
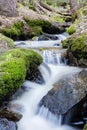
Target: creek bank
pixel 67 92
pixel 77 42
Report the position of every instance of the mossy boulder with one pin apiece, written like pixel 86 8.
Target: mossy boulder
pixel 14 64
pixel 24 29
pixel 39 24
pixel 14 30
pixel 77 50
pixel 85 127
pixel 5 43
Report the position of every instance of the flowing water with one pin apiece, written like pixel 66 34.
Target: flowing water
pixel 34 116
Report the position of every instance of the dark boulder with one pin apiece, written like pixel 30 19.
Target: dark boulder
pixel 66 93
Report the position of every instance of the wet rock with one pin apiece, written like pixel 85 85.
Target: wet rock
pixel 7 125
pixel 35 76
pixel 10 115
pixel 66 93
pixel 77 115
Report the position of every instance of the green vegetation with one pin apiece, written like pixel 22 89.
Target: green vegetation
pixel 56 3
pixel 85 127
pixel 14 65
pixel 34 28
pixel 83 11
pixel 14 30
pixel 65 43
pixel 71 29
pixel 78 46
pixel 57 18
pixel 38 23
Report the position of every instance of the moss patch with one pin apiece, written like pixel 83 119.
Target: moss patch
pixel 39 24
pixel 14 30
pixel 71 29
pixel 14 65
pixel 78 46
pixel 82 11
pixel 57 18
pixel 65 43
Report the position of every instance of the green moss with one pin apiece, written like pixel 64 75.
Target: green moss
pixel 31 6
pixel 57 18
pixel 71 29
pixel 14 30
pixel 79 46
pixel 83 11
pixel 65 43
pixel 75 16
pixel 13 67
pixel 39 23
pixel 37 30
pixel 85 127
pixel 19 5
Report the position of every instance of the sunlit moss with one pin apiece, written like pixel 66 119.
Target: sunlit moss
pixel 14 65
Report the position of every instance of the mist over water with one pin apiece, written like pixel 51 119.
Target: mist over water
pixel 40 118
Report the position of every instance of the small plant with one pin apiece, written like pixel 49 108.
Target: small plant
pixel 71 30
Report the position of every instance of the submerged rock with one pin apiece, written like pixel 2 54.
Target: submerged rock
pixel 7 125
pixel 66 93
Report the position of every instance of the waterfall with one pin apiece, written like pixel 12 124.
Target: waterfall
pixel 34 116
pixel 51 57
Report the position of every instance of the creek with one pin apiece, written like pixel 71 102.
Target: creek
pixel 53 68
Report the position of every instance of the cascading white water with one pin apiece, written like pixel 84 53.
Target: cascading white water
pixel 35 117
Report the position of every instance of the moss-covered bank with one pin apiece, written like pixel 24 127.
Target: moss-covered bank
pixel 77 49
pixel 26 28
pixel 14 65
